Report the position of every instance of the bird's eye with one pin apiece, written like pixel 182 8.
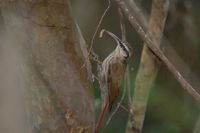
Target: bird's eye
pixel 122 46
pixel 120 43
pixel 124 49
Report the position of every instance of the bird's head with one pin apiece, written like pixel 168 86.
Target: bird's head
pixel 123 48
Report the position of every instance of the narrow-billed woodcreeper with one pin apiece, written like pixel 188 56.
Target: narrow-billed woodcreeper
pixel 111 74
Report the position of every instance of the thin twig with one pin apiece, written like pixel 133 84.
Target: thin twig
pixel 87 63
pixel 123 32
pixel 122 25
pixel 99 24
pixel 129 87
pixel 123 107
pixel 146 37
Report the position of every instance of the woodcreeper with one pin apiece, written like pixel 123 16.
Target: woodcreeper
pixel 111 74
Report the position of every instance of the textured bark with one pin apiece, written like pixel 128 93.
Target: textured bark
pixel 45 66
pixel 148 68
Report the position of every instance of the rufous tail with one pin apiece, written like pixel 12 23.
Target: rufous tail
pixel 101 116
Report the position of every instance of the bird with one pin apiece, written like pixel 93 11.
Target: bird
pixel 111 74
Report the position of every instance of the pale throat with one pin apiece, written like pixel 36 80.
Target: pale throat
pixel 119 54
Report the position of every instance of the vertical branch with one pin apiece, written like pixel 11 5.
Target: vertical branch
pixel 148 68
pixel 122 25
pixel 123 32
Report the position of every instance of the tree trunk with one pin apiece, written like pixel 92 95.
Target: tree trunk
pixel 45 71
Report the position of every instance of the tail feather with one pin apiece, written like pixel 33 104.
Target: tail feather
pixel 101 116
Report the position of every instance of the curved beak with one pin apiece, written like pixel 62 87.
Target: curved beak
pixel 111 34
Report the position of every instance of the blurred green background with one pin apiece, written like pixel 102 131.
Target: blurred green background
pixel 170 109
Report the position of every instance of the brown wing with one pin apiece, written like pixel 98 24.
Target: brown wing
pixel 103 87
pixel 116 72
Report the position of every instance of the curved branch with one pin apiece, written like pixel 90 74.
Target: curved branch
pixel 153 46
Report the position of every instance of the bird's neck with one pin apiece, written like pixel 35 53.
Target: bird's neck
pixel 118 54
